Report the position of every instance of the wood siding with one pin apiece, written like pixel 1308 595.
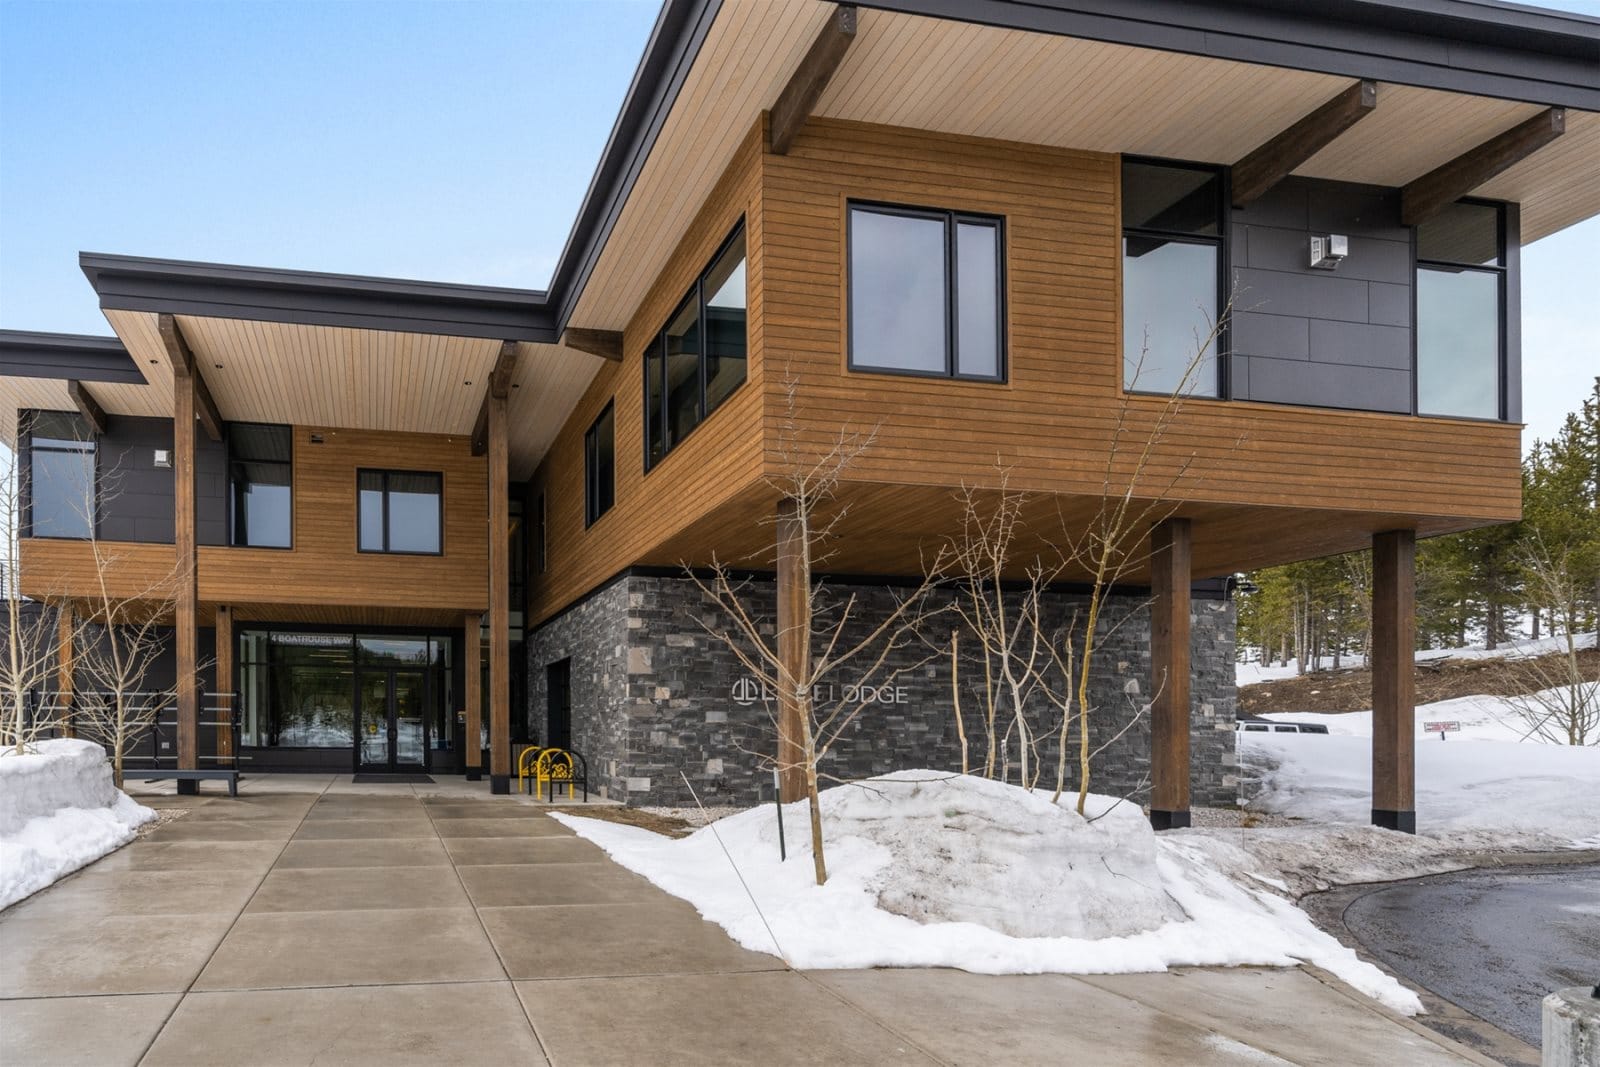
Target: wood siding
pixel 704 472
pixel 323 577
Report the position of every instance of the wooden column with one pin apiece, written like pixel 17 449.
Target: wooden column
pixel 499 601
pixel 185 586
pixel 472 727
pixel 1169 674
pixel 1394 624
pixel 66 623
pixel 794 649
pixel 222 701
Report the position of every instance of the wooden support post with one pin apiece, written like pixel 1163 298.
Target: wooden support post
pixel 472 726
pixel 794 105
pixel 222 701
pixel 1273 161
pixel 1394 624
pixel 187 636
pixel 66 624
pixel 1422 198
pixel 794 650
pixel 1169 674
pixel 88 406
pixel 607 344
pixel 500 574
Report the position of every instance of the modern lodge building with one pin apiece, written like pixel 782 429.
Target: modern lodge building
pixel 414 525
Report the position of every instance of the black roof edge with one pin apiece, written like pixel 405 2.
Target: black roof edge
pixel 1488 49
pixel 182 287
pixel 66 356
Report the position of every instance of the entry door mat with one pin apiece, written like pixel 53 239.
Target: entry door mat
pixel 392 779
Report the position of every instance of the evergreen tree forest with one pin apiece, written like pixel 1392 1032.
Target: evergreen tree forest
pixel 1533 578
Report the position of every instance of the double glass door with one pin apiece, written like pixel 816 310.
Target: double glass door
pixel 391 719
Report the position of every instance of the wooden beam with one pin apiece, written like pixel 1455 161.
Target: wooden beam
pixel 794 650
pixel 181 356
pixel 66 627
pixel 88 406
pixel 805 87
pixel 1437 189
pixel 185 592
pixel 222 702
pixel 1273 161
pixel 1394 625
pixel 505 366
pixel 499 599
pixel 1170 553
pixel 472 722
pixel 607 344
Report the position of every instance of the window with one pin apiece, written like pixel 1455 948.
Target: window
pixel 599 467
pixel 927 293
pixel 698 359
pixel 1461 311
pixel 260 508
pixel 400 511
pixel 1171 277
pixel 61 479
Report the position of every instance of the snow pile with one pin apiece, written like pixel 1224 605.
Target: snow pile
pixel 1481 718
pixel 58 812
pixel 928 869
pixel 1254 673
pixel 1483 793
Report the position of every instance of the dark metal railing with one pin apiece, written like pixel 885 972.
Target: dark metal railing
pixel 81 713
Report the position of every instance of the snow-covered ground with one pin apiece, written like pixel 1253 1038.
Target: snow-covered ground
pixel 928 869
pixel 1481 718
pixel 1255 673
pixel 58 811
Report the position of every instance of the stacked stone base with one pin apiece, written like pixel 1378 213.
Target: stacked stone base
pixel 658 704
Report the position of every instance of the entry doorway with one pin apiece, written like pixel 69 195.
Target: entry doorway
pixel 558 705
pixel 392 720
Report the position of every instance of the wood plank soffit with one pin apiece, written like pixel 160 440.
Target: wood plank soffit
pixel 607 344
pixel 1442 186
pixel 184 366
pixel 88 406
pixel 805 88
pixel 1274 160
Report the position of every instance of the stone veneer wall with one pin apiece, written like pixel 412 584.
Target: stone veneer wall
pixel 656 698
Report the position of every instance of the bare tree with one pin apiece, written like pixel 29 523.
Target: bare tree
pixel 1560 701
pixel 827 630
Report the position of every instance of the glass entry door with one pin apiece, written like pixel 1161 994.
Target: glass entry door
pixel 392 728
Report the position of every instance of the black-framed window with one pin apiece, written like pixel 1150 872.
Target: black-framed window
pixel 1461 279
pixel 927 292
pixel 700 356
pixel 600 466
pixel 400 511
pixel 62 498
pixel 1172 274
pixel 260 493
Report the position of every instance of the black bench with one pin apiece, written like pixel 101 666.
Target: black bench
pixel 159 774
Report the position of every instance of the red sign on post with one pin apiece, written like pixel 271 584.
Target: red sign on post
pixel 1441 728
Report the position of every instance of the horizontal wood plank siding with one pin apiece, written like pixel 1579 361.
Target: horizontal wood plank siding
pixel 704 472
pixel 1053 421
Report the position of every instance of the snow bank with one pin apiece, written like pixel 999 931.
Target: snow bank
pixel 1519 795
pixel 1482 718
pixel 58 811
pixel 928 869
pixel 1255 673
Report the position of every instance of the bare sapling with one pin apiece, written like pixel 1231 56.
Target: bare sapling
pixel 1559 699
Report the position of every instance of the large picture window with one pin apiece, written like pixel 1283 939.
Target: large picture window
pixel 927 292
pixel 1461 312
pixel 599 467
pixel 61 481
pixel 1171 277
pixel 400 511
pixel 260 506
pixel 699 358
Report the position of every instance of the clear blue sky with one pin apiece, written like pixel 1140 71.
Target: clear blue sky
pixel 448 141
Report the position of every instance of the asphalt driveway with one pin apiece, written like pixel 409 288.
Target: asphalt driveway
pixel 408 925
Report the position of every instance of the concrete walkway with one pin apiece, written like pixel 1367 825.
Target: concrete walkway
pixel 434 925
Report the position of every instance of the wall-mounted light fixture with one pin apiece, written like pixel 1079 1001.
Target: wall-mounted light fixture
pixel 316 438
pixel 1327 252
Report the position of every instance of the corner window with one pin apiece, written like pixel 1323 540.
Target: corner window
pixel 260 504
pixel 699 358
pixel 927 293
pixel 1171 277
pixel 400 511
pixel 600 467
pixel 1461 312
pixel 61 483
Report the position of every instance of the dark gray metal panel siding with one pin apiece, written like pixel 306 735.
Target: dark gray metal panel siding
pixel 137 496
pixel 1323 338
